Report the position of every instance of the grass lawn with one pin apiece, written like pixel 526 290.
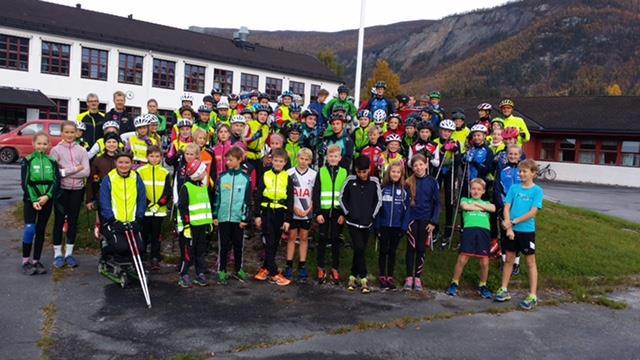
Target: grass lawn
pixel 576 249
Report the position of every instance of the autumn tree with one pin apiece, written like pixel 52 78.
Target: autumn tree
pixel 614 90
pixel 328 58
pixel 383 72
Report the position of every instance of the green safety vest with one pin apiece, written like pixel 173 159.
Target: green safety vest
pixel 199 206
pixel 124 196
pixel 329 189
pixel 154 177
pixel 275 189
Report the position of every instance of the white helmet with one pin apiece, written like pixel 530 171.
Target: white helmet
pixel 379 116
pixel 485 107
pixel 238 119
pixel 81 126
pixel 184 122
pixel 477 127
pixel 186 97
pixel 222 105
pixel 110 123
pixel 140 121
pixel 393 137
pixel 448 125
pixel 151 119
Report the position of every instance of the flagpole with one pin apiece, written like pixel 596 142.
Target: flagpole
pixel 363 4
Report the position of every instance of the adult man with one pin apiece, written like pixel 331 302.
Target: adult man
pixel 341 101
pixel 379 101
pixel 119 114
pixel 92 119
pixel 506 107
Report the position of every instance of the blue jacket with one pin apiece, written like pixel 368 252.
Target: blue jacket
pixel 480 159
pixel 507 177
pixel 395 206
pixel 106 212
pixel 233 197
pixel 320 125
pixel 427 202
pixel 383 103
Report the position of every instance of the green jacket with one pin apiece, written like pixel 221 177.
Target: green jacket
pixel 348 105
pixel 39 175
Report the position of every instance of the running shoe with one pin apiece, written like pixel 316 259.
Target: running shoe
pixel 303 275
pixel 288 272
pixel 242 275
pixel 201 280
pixel 384 285
pixel 364 286
pixel 485 292
pixel 417 284
pixel 502 295
pixel 529 303
pixel 335 276
pixel 223 277
pixel 351 284
pixel 28 269
pixel 184 281
pixel 516 270
pixel 262 274
pixel 322 275
pixel 58 262
pixel 39 268
pixel 71 261
pixel 408 283
pixel 280 280
pixel 453 289
pixel 391 283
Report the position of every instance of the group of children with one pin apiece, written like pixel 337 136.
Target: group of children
pixel 283 170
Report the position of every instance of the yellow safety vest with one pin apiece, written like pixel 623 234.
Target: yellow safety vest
pixel 275 189
pixel 139 148
pixel 154 177
pixel 124 195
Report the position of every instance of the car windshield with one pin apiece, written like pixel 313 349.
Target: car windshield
pixel 55 130
pixel 31 129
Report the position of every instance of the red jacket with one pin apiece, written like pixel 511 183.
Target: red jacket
pixel 373 153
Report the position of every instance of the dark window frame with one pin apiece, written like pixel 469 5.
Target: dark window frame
pixel 273 88
pixel 223 79
pixel 296 86
pixel 128 70
pixel 94 57
pixel 60 111
pixel 49 58
pixel 249 82
pixel 20 53
pixel 315 89
pixel 194 77
pixel 165 79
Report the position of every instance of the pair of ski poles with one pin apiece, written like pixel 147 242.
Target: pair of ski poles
pixel 130 234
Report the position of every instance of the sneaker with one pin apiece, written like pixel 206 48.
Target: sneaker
pixel 335 276
pixel 485 292
pixel 322 276
pixel 223 277
pixel 391 283
pixel 262 274
pixel 453 289
pixel 516 270
pixel 408 283
pixel 28 269
pixel 502 295
pixel 184 281
pixel 302 275
pixel 58 262
pixel 384 285
pixel 351 284
pixel 71 261
pixel 201 280
pixel 288 272
pixel 529 303
pixel 39 268
pixel 280 280
pixel 242 275
pixel 365 286
pixel 417 284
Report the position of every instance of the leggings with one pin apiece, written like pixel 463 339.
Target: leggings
pixel 417 237
pixel 230 235
pixel 151 228
pixel 194 250
pixel 329 233
pixel 35 220
pixel 445 182
pixel 359 239
pixel 272 221
pixel 67 205
pixel 389 240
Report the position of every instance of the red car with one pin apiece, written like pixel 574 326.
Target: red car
pixel 18 142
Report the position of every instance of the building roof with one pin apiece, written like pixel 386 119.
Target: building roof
pixel 567 114
pixel 24 97
pixel 105 28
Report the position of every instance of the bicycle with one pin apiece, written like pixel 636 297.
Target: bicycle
pixel 547 173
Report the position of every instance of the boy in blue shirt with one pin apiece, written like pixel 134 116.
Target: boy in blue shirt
pixel 520 209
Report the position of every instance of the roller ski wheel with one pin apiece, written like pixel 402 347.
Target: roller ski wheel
pixel 124 280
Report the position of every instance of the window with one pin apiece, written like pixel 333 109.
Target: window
pixel 31 129
pixel 164 73
pixel 14 52
pixel 568 150
pixel 273 88
pixel 315 89
pixel 55 58
pixel 133 111
pixel 194 78
pixel 102 107
pixel 94 64
pixel 548 150
pixel 608 153
pixel 223 80
pixel 248 82
pixel 587 152
pixel 631 153
pixel 12 115
pixel 57 112
pixel 130 69
pixel 297 88
pixel 55 129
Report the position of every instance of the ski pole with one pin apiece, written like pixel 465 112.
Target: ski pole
pixel 455 214
pixel 138 264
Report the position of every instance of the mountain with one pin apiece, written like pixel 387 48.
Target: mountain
pixel 529 47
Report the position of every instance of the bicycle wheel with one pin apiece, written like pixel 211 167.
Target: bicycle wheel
pixel 550 174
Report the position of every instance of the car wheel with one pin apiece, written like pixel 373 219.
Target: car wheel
pixel 8 155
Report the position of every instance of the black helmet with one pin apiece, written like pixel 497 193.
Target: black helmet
pixel 403 99
pixel 424 125
pixel 263 96
pixel 343 89
pixel 216 90
pixel 265 108
pixel 292 127
pixel 121 153
pixel 208 98
pixel 381 84
pixel 309 112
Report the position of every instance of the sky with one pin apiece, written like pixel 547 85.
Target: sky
pixel 326 15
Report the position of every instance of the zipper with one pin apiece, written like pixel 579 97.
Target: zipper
pixel 233 189
pixel 153 182
pixel 275 183
pixel 393 192
pixel 126 208
pixel 333 189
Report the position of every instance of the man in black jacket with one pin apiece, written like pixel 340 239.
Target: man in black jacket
pixel 119 113
pixel 93 119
